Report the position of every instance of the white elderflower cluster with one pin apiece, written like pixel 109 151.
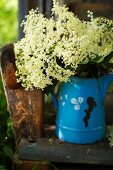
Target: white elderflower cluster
pixel 53 49
pixel 109 134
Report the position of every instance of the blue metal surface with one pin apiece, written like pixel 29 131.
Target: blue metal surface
pixel 81 116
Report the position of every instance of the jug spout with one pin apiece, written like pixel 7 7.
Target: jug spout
pixel 104 82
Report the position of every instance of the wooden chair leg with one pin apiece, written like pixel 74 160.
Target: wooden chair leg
pixel 29 165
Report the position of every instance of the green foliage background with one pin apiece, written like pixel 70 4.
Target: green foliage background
pixel 8 33
pixel 8 21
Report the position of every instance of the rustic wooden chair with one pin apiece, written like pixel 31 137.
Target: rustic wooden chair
pixel 34 144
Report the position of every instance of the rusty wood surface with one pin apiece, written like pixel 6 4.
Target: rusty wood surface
pixel 26 107
pixel 52 149
pixel 28 165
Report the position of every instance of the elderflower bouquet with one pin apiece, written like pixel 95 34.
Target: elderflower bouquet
pixel 54 49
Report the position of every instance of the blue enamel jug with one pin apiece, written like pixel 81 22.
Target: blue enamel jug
pixel 80 111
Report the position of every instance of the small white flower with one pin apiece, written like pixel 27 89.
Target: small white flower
pixel 80 99
pixel 77 102
pixel 77 107
pixel 74 101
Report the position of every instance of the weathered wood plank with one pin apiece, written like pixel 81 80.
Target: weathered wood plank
pixel 56 151
pixel 28 165
pixel 26 107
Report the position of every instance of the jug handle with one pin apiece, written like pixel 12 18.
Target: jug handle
pixel 55 101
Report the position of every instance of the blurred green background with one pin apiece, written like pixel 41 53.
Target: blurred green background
pixel 8 21
pixel 8 33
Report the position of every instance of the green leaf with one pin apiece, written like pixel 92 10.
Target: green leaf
pixel 108 58
pixel 2 167
pixel 8 151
